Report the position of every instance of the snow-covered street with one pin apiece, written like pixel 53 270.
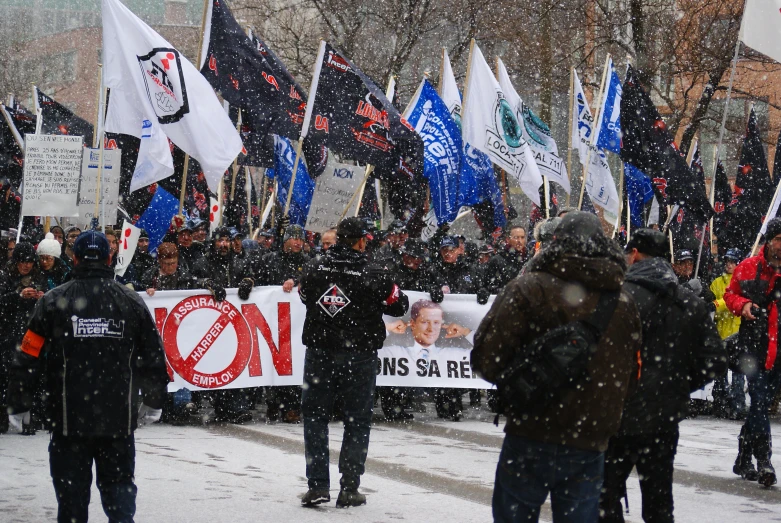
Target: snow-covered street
pixel 428 470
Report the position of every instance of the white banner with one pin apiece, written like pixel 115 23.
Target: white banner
pixel 257 342
pixel 333 191
pixel 51 175
pixel 109 184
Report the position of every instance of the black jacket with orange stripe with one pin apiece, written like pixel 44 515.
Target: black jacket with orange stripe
pixel 95 346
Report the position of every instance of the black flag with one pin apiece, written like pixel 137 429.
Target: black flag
pixel 249 75
pixel 647 144
pixel 355 118
pixel 58 119
pixel 16 122
pixel 753 191
pixel 721 199
pixel 777 158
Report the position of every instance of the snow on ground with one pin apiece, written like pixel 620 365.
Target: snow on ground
pixel 423 471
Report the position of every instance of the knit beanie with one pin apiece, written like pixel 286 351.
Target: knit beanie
pixel 49 246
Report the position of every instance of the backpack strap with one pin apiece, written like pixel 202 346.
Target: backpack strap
pixel 603 313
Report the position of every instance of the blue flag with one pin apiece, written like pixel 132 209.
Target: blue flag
pixel 304 187
pixel 156 220
pixel 639 192
pixel 609 129
pixel 442 144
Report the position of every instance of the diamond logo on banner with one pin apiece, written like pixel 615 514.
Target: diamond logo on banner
pixel 333 301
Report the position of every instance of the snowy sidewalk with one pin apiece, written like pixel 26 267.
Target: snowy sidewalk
pixel 424 471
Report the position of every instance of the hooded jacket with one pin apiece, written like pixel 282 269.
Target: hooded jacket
pixel 755 280
pixel 681 349
pixel 563 284
pixel 95 345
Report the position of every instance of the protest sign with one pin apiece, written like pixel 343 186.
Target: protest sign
pixel 51 175
pixel 257 342
pixel 109 184
pixel 333 191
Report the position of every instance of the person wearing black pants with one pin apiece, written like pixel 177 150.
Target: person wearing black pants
pixel 345 298
pixel 70 462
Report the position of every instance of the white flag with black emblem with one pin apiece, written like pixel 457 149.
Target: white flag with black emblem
pixel 490 125
pixel 150 80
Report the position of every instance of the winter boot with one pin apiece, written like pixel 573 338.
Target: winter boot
pixel 315 497
pixel 762 450
pixel 744 466
pixel 350 498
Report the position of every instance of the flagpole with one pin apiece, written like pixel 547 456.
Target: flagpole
pixel 620 200
pixel 248 186
pixel 699 253
pixel 724 115
pixel 713 196
pixel 186 166
pixel 595 131
pixel 310 104
pixel 466 86
pixel 101 148
pixel 441 69
pixel 569 138
pixel 546 194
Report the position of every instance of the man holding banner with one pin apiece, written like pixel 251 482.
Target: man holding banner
pixel 345 300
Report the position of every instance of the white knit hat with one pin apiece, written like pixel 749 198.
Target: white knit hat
pixel 49 246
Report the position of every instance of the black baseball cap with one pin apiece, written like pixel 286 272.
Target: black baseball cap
pixel 649 242
pixel 396 227
pixel 684 255
pixel 415 248
pixel 353 228
pixel 91 245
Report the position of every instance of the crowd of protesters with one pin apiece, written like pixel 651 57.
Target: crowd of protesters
pixel 737 292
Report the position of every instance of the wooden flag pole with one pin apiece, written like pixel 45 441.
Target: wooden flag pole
pixel 594 132
pixel 724 115
pixel 569 136
pixel 186 165
pixel 620 200
pixel 310 104
pixel 101 148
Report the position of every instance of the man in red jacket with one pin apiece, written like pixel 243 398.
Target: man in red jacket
pixel 754 294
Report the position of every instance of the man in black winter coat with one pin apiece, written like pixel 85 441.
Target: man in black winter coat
pixel 284 268
pixel 96 345
pixel 508 262
pixel 225 270
pixel 345 300
pixel 681 352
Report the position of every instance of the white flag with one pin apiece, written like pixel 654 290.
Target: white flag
pixel 535 132
pixel 599 182
pixel 215 212
pixel 154 157
pixel 127 247
pixel 760 28
pixel 450 94
pixel 150 80
pixel 489 125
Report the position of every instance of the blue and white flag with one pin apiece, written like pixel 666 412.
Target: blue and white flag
pixel 304 187
pixel 609 125
pixel 639 192
pixel 430 117
pixel 599 182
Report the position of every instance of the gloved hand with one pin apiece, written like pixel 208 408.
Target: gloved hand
pixel 218 291
pixel 482 296
pixel 695 285
pixel 282 222
pixel 18 421
pixel 147 415
pixel 436 294
pixel 245 288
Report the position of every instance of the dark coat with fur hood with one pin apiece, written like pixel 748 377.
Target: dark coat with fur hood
pixel 563 284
